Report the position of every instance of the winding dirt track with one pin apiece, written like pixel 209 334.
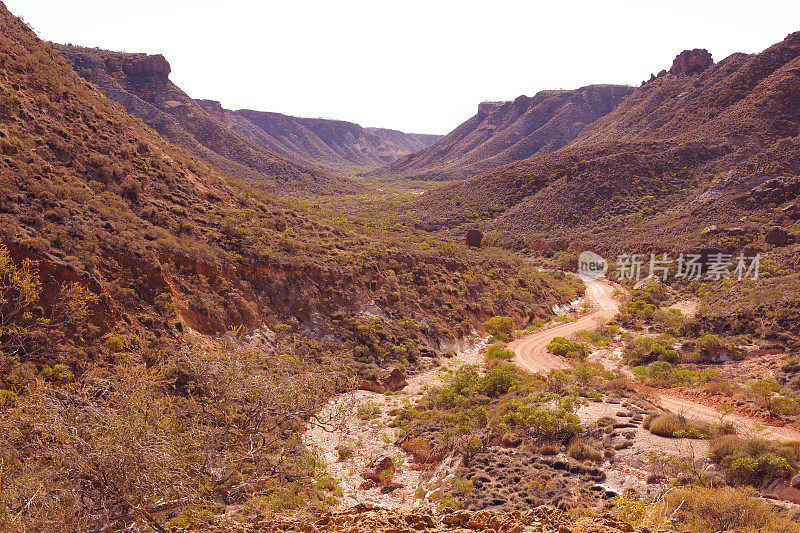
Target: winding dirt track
pixel 532 354
pixel 532 351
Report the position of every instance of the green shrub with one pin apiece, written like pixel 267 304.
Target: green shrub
pixel 496 352
pixel 117 343
pixel 751 461
pixel 463 486
pixel 662 373
pixel 554 421
pixel 561 346
pixel 59 373
pixel 642 304
pixel 499 327
pixel 648 349
pixel 599 337
pixel 499 380
pixel 766 389
pixel 368 410
pixel 669 320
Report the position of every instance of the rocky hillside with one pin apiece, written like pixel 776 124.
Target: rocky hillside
pixel 504 132
pixel 95 195
pixel 141 83
pixel 331 144
pixel 134 274
pixel 683 151
pixel 270 150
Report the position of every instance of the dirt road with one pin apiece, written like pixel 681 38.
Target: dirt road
pixel 532 351
pixel 532 354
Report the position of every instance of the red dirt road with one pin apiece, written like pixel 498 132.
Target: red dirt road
pixel 532 355
pixel 532 351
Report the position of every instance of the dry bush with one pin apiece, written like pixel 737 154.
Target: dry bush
pixel 606 421
pixel 581 450
pixel 135 442
pixel 698 509
pixel 672 425
pixel 550 448
pixel 751 461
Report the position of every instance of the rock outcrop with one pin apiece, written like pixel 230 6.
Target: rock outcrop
pixel 269 150
pixel 736 121
pixel 474 238
pixel 146 65
pixel 691 62
pixel 213 108
pixel 336 145
pixel 487 108
pixel 391 381
pixel 141 83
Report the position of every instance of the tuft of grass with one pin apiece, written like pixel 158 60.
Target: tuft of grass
pixel 676 426
pixel 344 451
pixel 581 450
pixel 368 410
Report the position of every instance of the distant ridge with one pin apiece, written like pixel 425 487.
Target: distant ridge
pixel 681 152
pixel 141 83
pixel 504 132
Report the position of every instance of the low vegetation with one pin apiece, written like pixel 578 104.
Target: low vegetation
pixel 137 442
pixel 566 348
pixel 751 461
pixel 677 426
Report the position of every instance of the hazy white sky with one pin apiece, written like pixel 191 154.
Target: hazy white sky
pixel 418 66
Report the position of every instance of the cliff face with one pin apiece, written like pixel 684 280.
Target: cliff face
pixel 504 132
pixel 140 82
pixel 691 62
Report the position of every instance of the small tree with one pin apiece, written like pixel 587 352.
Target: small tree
pixel 766 389
pixel 499 327
pixel 24 326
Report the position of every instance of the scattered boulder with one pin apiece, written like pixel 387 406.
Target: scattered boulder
pixel 377 468
pixel 691 62
pixel 391 381
pixel 421 450
pixel 779 489
pixel 474 238
pixel 379 474
pixel 777 236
